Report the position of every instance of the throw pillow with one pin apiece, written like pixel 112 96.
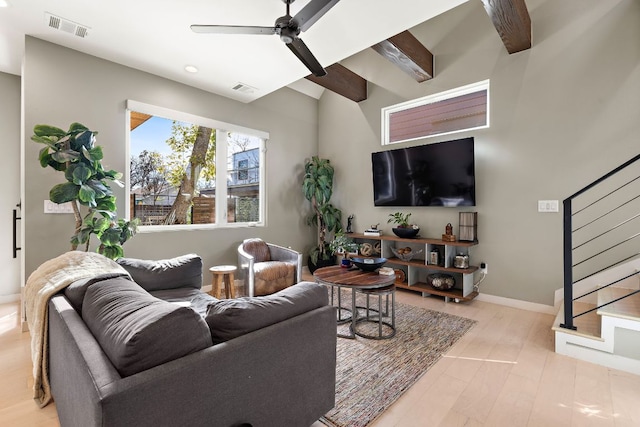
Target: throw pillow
pixel 75 291
pixel 231 318
pixel 178 272
pixel 138 331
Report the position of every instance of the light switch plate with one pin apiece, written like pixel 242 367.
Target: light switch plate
pixel 54 208
pixel 548 206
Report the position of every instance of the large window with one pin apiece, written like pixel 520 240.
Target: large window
pixel 190 171
pixel 455 110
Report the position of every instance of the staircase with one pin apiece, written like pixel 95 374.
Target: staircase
pixel 599 320
pixel 609 335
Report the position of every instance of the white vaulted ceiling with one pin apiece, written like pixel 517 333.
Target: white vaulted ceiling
pixel 154 36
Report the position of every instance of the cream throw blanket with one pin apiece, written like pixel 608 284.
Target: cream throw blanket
pixel 43 283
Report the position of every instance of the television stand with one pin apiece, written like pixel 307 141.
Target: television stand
pixel 417 269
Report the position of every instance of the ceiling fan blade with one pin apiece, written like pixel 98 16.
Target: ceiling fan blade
pixel 313 11
pixel 232 29
pixel 303 53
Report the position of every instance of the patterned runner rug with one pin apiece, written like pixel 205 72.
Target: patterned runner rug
pixel 372 374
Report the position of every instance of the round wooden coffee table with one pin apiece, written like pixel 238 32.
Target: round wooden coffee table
pixel 350 278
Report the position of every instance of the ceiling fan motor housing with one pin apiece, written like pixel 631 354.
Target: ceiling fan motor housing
pixel 286 29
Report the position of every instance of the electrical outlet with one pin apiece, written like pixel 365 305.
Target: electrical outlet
pixel 484 267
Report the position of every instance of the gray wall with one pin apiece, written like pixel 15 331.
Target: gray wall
pixel 10 177
pixel 62 86
pixel 562 114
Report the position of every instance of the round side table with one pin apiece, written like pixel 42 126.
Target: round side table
pixel 223 273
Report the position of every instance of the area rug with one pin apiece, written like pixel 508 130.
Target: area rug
pixel 372 374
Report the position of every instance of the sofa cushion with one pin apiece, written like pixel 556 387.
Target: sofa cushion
pixel 188 297
pixel 179 272
pixel 138 331
pixel 76 290
pixel 231 318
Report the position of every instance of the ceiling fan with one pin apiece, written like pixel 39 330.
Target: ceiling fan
pixel 287 27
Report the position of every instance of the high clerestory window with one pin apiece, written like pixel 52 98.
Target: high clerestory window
pixel 461 109
pixel 190 171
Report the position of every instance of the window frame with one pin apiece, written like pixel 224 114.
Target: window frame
pixel 222 129
pixel 386 112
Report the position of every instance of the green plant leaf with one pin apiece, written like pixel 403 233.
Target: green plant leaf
pixel 76 127
pixel 113 174
pixel 47 130
pixel 65 156
pixel 110 236
pixel 106 204
pixel 108 214
pixel 113 252
pixel 84 139
pixel 96 153
pixel 84 235
pixel 50 141
pixel 44 157
pixel 101 189
pixel 80 174
pixel 100 225
pixel 63 193
pixel 87 195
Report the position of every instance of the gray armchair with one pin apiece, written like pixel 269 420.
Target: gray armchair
pixel 267 268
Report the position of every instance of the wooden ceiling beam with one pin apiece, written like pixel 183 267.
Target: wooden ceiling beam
pixel 408 54
pixel 342 81
pixel 512 21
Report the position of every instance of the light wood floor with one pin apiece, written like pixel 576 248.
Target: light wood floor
pixel 502 373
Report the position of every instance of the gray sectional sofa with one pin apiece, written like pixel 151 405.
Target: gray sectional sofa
pixel 157 351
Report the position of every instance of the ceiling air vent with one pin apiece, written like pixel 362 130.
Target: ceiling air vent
pixel 244 88
pixel 65 25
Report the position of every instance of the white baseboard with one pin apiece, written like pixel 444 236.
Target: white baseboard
pixel 522 305
pixel 9 298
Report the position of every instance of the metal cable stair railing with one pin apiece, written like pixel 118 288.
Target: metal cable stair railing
pixel 601 230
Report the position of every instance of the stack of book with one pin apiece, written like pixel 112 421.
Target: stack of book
pixel 372 232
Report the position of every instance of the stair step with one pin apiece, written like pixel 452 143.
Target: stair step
pixel 588 325
pixel 628 308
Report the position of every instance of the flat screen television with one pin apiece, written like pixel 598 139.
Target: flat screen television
pixel 440 174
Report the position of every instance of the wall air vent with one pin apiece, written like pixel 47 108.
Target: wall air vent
pixel 244 88
pixel 66 25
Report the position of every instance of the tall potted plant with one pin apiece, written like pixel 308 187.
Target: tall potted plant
pixel 317 187
pixel 74 152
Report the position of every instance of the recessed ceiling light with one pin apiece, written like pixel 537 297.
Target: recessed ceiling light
pixel 188 68
pixel 4 3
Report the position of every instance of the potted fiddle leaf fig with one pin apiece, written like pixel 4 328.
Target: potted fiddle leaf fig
pixel 74 153
pixel 317 187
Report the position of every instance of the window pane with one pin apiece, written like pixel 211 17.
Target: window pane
pixel 191 170
pixel 243 183
pixel 172 171
pixel 452 111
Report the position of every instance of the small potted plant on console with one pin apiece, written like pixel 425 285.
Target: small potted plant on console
pixel 404 228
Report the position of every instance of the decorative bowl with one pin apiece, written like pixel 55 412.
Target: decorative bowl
pixel 406 255
pixel 368 264
pixel 406 232
pixel 441 281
